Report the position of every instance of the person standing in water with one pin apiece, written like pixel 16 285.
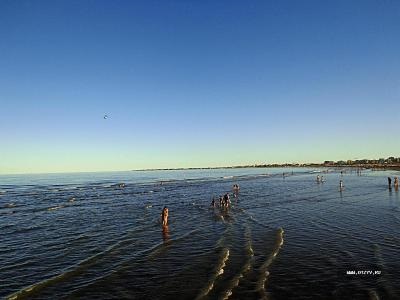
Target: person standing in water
pixel 318 179
pixel 226 200
pixel 164 216
pixel 165 233
pixel 235 190
pixel 390 182
pixel 396 183
pixel 221 201
pixel 341 185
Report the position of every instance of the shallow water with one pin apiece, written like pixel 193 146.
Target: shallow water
pixel 70 236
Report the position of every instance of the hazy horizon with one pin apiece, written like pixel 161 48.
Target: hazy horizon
pixel 196 84
pixel 250 165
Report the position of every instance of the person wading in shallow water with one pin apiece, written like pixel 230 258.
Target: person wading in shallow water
pixel 165 233
pixel 164 216
pixel 226 200
pixel 390 182
pixel 341 185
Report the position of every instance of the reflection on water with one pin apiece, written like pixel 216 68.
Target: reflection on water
pixel 91 237
pixel 165 233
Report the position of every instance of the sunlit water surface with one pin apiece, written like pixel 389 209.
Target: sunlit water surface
pixel 81 236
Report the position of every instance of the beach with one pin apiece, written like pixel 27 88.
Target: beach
pixel 85 236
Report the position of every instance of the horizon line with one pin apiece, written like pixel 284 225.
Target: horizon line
pixel 255 165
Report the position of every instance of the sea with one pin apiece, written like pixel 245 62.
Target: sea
pixel 284 236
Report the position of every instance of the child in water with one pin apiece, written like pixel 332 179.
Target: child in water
pixel 164 216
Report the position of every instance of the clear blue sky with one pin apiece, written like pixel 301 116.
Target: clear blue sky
pixel 202 83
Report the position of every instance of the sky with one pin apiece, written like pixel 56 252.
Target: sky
pixel 196 83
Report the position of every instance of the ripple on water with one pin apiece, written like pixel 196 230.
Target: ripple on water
pixel 107 242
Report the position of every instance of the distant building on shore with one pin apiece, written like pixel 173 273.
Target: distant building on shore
pixel 375 162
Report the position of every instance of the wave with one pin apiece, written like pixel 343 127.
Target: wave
pixel 55 207
pixel 245 268
pixel 75 270
pixel 218 270
pixel 373 295
pixel 221 263
pixel 264 273
pixel 85 264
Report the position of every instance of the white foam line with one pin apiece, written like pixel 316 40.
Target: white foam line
pixel 268 262
pixel 219 270
pixel 373 295
pixel 246 267
pixel 55 207
pixel 86 263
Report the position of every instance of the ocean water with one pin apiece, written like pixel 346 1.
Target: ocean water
pixel 80 236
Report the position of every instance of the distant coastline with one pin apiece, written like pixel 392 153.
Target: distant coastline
pixel 390 163
pixel 363 166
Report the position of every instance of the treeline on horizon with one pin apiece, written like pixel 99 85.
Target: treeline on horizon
pixel 378 163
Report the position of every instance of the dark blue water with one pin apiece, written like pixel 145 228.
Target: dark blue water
pixel 70 236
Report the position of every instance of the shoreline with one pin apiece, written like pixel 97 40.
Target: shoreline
pixel 395 167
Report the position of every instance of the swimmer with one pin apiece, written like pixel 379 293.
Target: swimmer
pixel 322 179
pixel 390 182
pixel 164 216
pixel 318 179
pixel 396 183
pixel 341 185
